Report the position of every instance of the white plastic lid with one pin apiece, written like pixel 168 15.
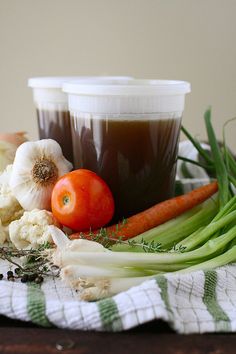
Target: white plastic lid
pixel 129 88
pixel 136 97
pixel 58 81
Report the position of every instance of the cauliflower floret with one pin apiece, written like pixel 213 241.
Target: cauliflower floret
pixel 32 229
pixel 10 209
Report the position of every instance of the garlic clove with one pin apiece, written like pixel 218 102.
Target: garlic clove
pixel 38 200
pixel 47 147
pixel 25 155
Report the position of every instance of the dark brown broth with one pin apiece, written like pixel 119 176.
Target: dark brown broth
pixel 137 158
pixel 56 125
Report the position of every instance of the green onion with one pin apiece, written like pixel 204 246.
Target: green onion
pixel 185 159
pixel 100 269
pixel 194 240
pixel 142 261
pixel 221 171
pixel 197 146
pixel 222 259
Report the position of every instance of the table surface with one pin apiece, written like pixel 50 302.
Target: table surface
pixel 152 338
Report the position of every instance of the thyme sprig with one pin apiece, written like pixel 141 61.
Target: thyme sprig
pixel 109 240
pixel 30 261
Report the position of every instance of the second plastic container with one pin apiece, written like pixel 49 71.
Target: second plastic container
pixel 52 107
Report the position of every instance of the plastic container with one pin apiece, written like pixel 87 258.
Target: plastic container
pixel 52 107
pixel 128 134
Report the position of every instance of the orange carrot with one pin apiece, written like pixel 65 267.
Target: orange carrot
pixel 158 214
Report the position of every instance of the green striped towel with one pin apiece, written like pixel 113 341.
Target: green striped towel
pixel 203 301
pixel 191 303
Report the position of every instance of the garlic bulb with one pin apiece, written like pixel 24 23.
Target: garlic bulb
pixel 36 168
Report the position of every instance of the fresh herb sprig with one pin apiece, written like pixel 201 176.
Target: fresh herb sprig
pixel 109 241
pixel 32 263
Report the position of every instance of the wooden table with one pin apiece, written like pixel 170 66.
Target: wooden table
pixel 154 338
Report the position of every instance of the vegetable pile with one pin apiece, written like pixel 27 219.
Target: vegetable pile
pixel 36 191
pixel 39 197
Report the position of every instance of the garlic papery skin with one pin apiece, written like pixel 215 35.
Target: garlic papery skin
pixel 36 169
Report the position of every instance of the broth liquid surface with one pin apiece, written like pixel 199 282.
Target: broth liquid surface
pixel 137 158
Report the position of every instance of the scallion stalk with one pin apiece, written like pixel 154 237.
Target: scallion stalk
pixel 195 240
pixel 221 171
pixel 220 260
pixel 198 146
pixel 144 261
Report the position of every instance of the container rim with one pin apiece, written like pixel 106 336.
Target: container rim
pixel 135 87
pixel 56 82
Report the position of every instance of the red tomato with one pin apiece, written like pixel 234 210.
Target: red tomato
pixel 81 200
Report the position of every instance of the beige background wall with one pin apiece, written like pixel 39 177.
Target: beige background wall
pixel 192 40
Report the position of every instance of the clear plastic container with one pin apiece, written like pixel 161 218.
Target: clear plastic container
pixel 129 134
pixel 52 107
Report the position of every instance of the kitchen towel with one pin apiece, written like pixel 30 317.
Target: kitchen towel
pixel 199 302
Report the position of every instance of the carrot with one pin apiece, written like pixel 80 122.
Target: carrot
pixel 157 214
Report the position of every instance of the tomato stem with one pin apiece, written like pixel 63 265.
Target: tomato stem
pixel 66 200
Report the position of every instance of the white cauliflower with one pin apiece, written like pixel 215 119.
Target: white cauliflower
pixel 10 209
pixel 32 229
